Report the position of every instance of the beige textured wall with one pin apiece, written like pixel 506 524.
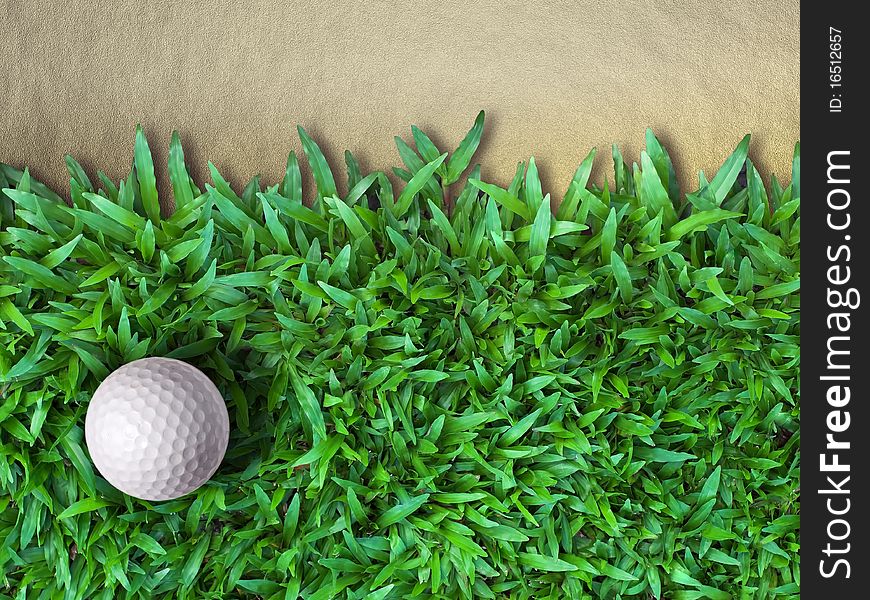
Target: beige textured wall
pixel 555 77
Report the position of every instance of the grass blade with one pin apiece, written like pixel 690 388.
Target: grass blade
pixel 416 184
pixel 145 176
pixel 727 174
pixel 319 167
pixel 178 174
pixel 461 158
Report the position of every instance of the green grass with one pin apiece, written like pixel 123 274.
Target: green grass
pixel 443 390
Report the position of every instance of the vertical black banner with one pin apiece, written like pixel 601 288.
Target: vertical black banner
pixel 835 442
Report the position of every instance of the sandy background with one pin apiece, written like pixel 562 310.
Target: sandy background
pixel 555 77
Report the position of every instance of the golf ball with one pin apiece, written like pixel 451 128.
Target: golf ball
pixel 157 428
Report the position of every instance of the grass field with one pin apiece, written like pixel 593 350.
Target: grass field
pixel 447 390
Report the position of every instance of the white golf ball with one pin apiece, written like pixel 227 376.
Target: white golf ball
pixel 157 428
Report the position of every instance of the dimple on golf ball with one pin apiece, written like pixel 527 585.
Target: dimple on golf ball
pixel 157 428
